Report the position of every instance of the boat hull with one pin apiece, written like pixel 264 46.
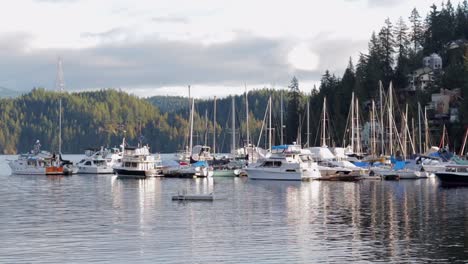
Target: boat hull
pixel 95 170
pixel 453 179
pixel 223 173
pixel 407 175
pixel 272 174
pixel 125 173
pixel 34 170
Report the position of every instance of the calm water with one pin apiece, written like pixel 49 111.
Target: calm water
pixel 89 218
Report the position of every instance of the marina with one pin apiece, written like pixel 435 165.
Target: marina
pixel 198 132
pixel 51 218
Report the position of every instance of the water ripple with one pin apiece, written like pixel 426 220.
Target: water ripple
pixel 101 219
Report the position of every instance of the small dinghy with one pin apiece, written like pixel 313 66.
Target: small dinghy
pixel 193 197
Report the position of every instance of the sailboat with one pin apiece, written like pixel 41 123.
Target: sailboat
pixel 283 162
pixel 327 162
pixel 229 167
pixel 40 162
pixel 37 162
pixel 192 161
pixel 68 167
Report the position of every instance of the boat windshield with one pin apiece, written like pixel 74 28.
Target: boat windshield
pixel 272 164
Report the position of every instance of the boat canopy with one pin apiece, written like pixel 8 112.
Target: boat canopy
pixel 322 153
pixel 280 147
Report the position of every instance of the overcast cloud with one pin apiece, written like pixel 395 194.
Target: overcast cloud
pixel 160 47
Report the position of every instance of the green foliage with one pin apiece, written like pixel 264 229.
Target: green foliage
pixel 90 119
pixel 294 111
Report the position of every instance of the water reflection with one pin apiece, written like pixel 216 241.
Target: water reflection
pixel 90 218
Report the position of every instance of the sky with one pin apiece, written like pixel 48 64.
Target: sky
pixel 152 47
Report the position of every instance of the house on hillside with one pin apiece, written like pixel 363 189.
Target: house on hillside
pixel 444 105
pixel 421 78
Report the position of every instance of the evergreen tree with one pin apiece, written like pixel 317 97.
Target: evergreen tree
pixel 461 22
pixel 388 43
pixel 416 34
pixel 293 111
pixel 402 43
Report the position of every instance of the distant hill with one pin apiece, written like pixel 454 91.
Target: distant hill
pixel 102 118
pixel 7 93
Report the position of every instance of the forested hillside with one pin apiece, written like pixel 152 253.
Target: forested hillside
pixel 102 118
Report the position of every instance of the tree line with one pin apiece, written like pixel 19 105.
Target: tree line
pixel 102 118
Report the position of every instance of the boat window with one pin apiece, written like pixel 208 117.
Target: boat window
pixel 134 164
pixel 88 163
pixel 462 170
pixel 99 162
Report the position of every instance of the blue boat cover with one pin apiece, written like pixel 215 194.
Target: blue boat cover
pixel 279 147
pixel 399 165
pixel 362 164
pixel 200 164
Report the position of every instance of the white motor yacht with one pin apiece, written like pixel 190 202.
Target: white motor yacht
pixel 285 162
pixel 328 165
pixel 137 162
pixel 96 162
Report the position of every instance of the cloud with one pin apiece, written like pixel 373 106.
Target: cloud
pixel 170 19
pixel 335 51
pixel 154 63
pixel 380 3
pixel 57 1
pixel 384 3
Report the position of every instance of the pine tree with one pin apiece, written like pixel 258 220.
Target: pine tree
pixel 402 42
pixel 461 22
pixel 416 35
pixel 388 43
pixel 294 108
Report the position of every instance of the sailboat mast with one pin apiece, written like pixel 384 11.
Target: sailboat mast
pixel 206 127
pixel 390 120
pixel 419 127
pixel 352 122
pixel 373 146
pixel 60 85
pixel 308 125
pixel 269 124
pixel 382 131
pixel 214 125
pixel 191 126
pixel 405 133
pixel 358 136
pixel 247 116
pixel 190 117
pixel 426 129
pixel 324 142
pixel 281 119
pixel 233 125
pixel 462 150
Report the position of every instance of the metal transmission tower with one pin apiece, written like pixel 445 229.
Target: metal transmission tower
pixel 60 86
